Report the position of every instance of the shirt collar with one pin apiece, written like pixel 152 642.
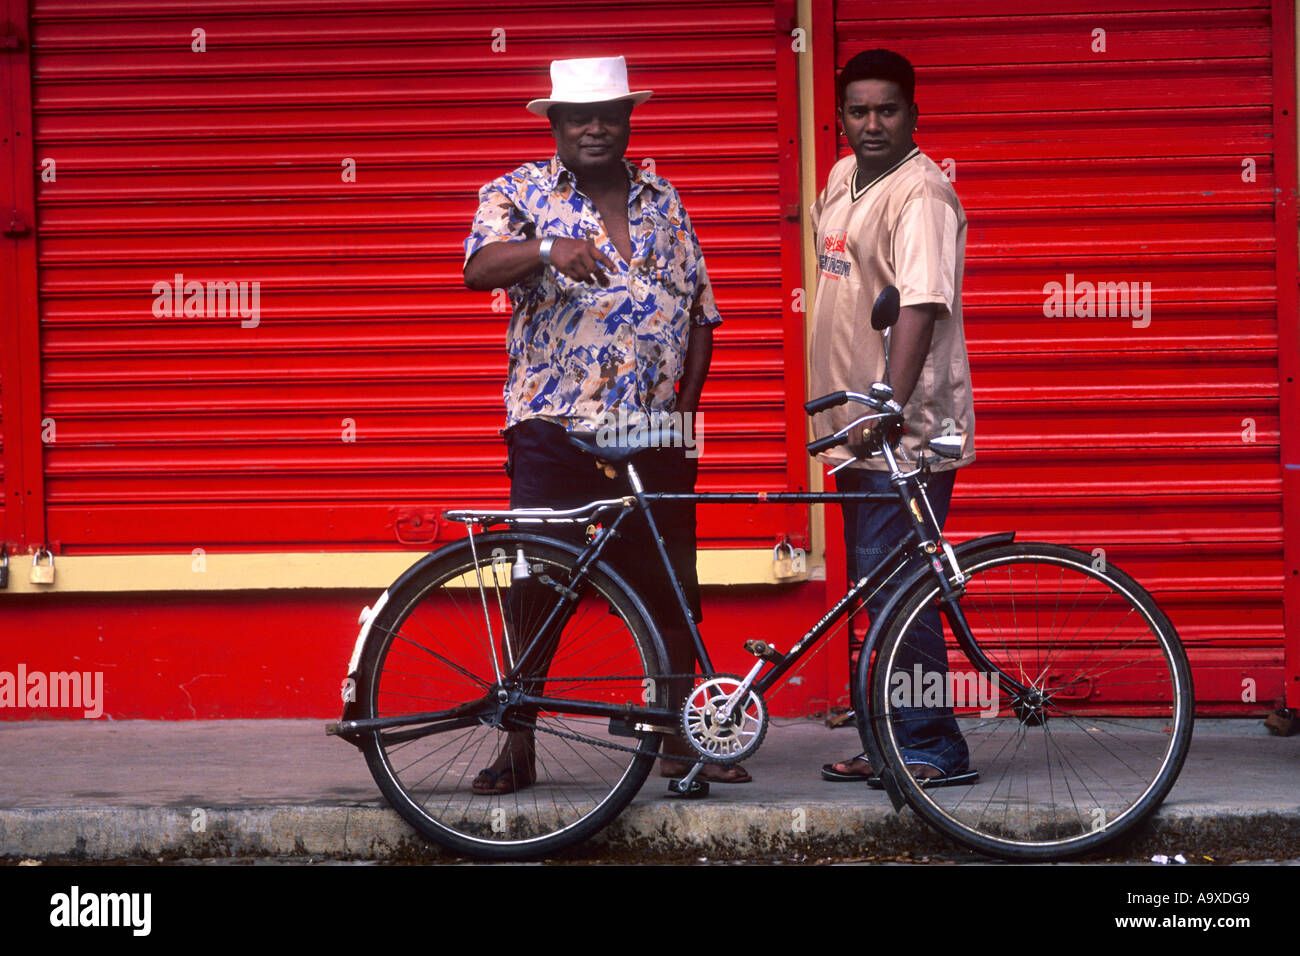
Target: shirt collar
pixel 556 172
pixel 855 193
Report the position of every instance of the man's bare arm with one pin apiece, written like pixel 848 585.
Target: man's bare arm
pixel 699 353
pixel 909 345
pixel 499 265
pixel 908 348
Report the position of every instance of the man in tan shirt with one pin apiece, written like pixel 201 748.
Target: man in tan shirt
pixel 889 216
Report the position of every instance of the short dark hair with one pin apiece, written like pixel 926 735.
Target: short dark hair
pixel 878 65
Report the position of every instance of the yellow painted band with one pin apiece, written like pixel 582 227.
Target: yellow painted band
pixel 372 570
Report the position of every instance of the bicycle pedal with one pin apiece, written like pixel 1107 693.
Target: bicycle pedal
pixel 695 790
pixel 840 717
pixel 764 651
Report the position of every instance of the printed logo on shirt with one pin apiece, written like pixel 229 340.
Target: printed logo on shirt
pixel 832 259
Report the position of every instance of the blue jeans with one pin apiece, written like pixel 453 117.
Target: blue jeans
pixel 927 735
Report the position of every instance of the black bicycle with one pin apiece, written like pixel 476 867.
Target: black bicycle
pixel 1058 686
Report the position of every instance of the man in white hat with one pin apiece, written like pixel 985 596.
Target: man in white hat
pixel 613 319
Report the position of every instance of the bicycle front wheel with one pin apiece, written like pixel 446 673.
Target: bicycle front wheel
pixel 445 638
pixel 1074 706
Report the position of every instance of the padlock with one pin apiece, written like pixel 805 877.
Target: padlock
pixel 1282 722
pixel 789 565
pixel 4 568
pixel 42 573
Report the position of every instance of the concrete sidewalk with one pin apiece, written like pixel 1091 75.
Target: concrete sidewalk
pixel 140 789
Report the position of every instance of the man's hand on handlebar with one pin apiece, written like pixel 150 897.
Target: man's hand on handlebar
pixel 861 439
pixel 861 442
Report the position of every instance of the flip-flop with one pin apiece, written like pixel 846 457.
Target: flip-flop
pixel 963 779
pixel 837 776
pixel 743 776
pixel 491 782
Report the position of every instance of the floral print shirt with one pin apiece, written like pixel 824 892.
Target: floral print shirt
pixel 578 351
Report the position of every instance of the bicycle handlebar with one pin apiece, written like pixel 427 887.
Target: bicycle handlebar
pixel 817 446
pixel 879 399
pixel 825 402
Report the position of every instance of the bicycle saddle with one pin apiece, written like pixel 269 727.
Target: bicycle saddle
pixel 618 449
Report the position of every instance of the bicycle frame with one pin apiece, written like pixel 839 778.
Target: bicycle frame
pixel 922 541
pixel 922 538
pixel 501 702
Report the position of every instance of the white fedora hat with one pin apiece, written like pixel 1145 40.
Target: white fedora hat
pixel 601 79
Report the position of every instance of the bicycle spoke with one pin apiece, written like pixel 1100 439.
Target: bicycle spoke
pixel 564 773
pixel 1061 768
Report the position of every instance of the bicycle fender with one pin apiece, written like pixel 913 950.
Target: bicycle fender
pixel 368 614
pixel 873 637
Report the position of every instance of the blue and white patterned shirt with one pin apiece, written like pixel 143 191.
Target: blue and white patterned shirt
pixel 578 351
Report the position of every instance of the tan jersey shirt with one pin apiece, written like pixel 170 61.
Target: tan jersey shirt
pixel 906 229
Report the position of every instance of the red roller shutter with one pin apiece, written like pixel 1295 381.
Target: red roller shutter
pixel 21 514
pixel 229 165
pixel 1141 141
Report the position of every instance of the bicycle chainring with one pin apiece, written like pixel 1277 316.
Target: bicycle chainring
pixel 729 740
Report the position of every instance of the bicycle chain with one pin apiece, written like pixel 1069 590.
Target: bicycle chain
pixel 692 759
pixel 623 677
pixel 660 755
pixel 698 757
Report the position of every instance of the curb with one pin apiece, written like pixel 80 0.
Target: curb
pixel 643 832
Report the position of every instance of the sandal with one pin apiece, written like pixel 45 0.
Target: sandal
pixel 506 780
pixel 839 776
pixel 962 779
pixel 710 773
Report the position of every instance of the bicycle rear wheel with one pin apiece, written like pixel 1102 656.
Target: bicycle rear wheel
pixel 1084 752
pixel 433 648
